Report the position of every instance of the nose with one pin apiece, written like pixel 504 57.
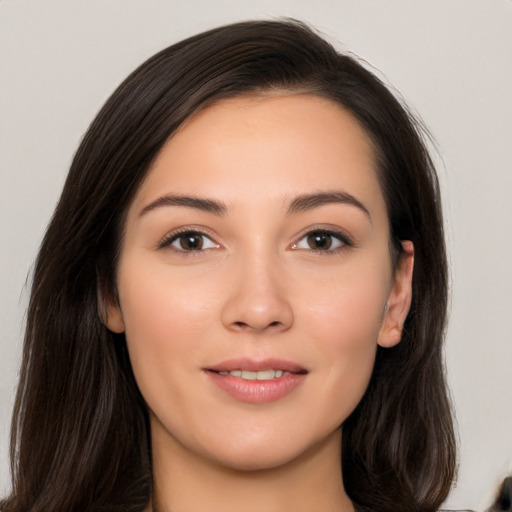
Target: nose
pixel 258 299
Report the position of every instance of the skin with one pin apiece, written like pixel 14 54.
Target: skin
pixel 258 288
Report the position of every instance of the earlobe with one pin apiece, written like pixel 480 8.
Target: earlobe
pixel 399 299
pixel 111 315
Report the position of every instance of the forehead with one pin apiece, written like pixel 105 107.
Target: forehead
pixel 265 146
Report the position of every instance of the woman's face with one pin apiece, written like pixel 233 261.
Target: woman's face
pixel 255 280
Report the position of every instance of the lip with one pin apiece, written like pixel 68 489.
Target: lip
pixel 256 365
pixel 257 391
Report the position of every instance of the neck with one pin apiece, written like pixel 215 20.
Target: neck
pixel 185 482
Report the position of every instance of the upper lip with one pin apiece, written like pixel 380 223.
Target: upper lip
pixel 256 365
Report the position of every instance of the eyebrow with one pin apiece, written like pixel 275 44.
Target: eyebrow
pixel 300 204
pixel 206 205
pixel 307 202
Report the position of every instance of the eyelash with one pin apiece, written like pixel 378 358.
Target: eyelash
pixel 169 239
pixel 343 239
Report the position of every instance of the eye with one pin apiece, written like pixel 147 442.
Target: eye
pixel 323 240
pixel 188 241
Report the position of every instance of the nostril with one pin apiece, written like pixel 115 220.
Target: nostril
pixel 244 325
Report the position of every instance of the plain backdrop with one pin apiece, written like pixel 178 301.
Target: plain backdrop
pixel 451 60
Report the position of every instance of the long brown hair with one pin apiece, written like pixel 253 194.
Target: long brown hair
pixel 79 433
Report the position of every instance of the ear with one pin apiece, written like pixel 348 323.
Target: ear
pixel 110 313
pixel 399 299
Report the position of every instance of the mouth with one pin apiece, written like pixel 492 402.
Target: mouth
pixel 252 369
pixel 257 381
pixel 259 375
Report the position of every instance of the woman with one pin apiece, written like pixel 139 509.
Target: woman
pixel 224 311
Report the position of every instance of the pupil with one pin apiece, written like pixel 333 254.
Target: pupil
pixel 319 241
pixel 191 242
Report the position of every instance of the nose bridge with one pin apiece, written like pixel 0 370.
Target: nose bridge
pixel 259 296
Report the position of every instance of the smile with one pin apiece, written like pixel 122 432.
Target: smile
pixel 256 381
pixel 260 375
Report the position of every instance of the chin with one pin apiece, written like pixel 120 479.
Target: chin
pixel 263 462
pixel 272 454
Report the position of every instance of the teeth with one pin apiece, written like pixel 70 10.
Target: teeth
pixel 261 375
pixel 250 375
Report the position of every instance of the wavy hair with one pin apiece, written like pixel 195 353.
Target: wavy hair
pixel 80 429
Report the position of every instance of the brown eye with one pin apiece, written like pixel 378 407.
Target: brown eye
pixel 323 241
pixel 189 241
pixel 319 241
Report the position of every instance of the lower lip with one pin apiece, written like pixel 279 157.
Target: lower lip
pixel 257 391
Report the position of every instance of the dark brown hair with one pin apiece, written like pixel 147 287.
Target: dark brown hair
pixel 503 501
pixel 79 434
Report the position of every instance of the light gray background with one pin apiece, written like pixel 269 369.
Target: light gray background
pixel 450 59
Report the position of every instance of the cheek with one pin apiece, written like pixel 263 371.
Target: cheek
pixel 344 320
pixel 165 318
pixel 160 301
pixel 347 307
